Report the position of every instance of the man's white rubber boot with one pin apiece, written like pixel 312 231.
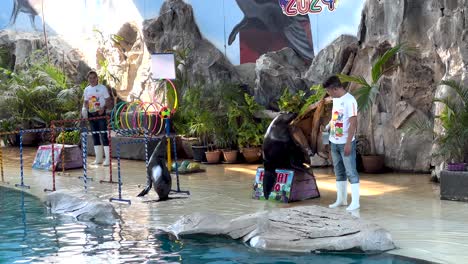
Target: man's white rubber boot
pixel 107 156
pixel 355 197
pixel 98 153
pixel 341 194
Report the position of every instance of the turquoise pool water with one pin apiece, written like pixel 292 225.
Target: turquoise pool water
pixel 30 234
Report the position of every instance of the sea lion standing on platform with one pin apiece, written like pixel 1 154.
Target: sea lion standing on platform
pixel 279 150
pixel 157 173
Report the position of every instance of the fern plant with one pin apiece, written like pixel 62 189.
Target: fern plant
pixel 453 141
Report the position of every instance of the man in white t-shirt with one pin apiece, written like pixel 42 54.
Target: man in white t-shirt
pixel 342 126
pixel 95 97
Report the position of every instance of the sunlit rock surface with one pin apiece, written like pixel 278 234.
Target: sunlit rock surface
pixel 82 207
pixel 299 229
pixel 176 28
pixel 438 31
pixel 24 48
pixel 276 71
pixel 332 59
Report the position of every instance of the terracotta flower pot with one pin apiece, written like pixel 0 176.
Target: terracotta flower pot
pixel 213 156
pixel 252 155
pixel 230 156
pixel 373 163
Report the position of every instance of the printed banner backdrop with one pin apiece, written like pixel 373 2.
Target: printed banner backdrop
pixel 281 190
pixel 223 22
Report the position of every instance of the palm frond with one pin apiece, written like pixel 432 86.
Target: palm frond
pixel 377 69
pixel 41 89
pixel 351 78
pixel 451 104
pixel 419 126
pixel 457 87
pixel 71 115
pixel 366 96
pixel 57 75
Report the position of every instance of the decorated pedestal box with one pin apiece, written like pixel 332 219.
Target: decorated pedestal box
pixel 291 185
pixel 72 157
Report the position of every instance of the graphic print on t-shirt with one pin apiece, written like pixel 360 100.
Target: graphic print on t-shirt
pixel 337 124
pixel 343 109
pixel 94 104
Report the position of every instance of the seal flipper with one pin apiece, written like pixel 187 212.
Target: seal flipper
pixel 149 178
pixel 269 180
pixel 145 191
pixel 236 30
pixel 158 153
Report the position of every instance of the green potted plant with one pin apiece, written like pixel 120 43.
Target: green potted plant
pixel 8 125
pixel 188 121
pixel 225 138
pixel 200 128
pixel 251 131
pixel 213 154
pixel 453 141
pixel 366 96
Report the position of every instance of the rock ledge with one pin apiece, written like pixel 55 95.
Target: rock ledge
pixel 82 207
pixel 298 229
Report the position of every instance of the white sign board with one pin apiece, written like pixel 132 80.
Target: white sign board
pixel 163 66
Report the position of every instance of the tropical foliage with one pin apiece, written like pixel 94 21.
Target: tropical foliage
pixel 367 93
pixel 453 141
pixel 299 102
pixel 36 95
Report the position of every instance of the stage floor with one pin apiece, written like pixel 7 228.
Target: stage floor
pixel 408 205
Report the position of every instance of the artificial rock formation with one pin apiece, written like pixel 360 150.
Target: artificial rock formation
pixel 438 29
pixel 276 71
pixel 332 59
pixel 24 48
pixel 125 57
pixel 298 229
pixel 176 29
pixel 82 207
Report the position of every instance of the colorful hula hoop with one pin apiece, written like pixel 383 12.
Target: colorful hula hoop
pixel 139 115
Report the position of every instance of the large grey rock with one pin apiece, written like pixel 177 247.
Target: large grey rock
pixel 25 48
pixel 82 207
pixel 332 59
pixel 298 229
pixel 247 75
pixel 276 71
pixel 449 36
pixel 438 29
pixel 176 28
pixel 126 58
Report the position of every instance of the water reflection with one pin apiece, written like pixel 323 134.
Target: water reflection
pixel 29 233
